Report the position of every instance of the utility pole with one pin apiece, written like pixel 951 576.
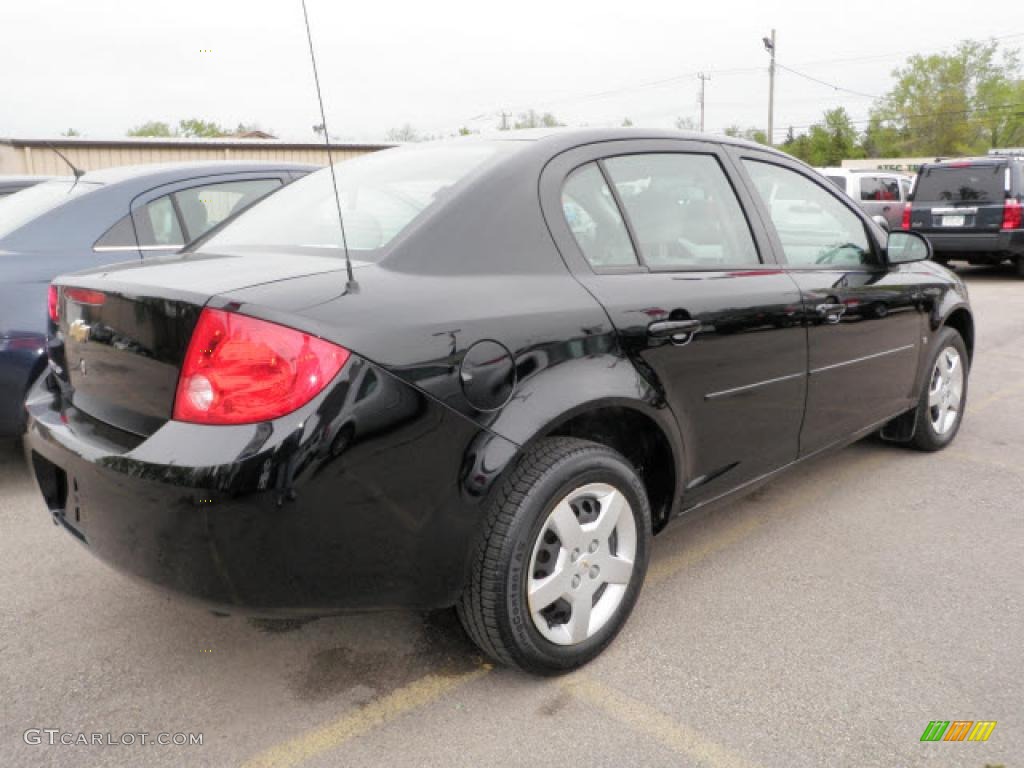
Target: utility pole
pixel 703 79
pixel 769 45
pixel 504 120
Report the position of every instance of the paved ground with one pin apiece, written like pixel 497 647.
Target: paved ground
pixel 823 621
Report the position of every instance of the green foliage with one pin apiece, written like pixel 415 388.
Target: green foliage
pixel 404 133
pixel 964 102
pixel 70 132
pixel 750 134
pixel 627 123
pixel 533 119
pixel 201 129
pixel 686 124
pixel 829 141
pixel 152 128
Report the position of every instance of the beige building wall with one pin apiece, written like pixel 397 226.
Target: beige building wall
pixel 34 157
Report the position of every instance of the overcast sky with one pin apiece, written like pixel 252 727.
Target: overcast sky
pixel 103 66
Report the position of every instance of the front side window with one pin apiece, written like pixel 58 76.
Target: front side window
pixel 879 189
pixel 684 212
pixel 594 219
pixel 814 227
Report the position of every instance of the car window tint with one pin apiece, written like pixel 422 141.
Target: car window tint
pixel 877 188
pixel 957 183
pixel 815 228
pixel 121 235
pixel 594 219
pixel 683 210
pixel 203 208
pixel 160 226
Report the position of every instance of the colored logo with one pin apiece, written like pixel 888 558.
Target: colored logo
pixel 958 730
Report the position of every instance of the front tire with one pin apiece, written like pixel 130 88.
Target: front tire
pixel 562 559
pixel 940 409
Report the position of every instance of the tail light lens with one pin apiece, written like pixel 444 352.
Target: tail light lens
pixel 53 303
pixel 240 370
pixel 906 216
pixel 1012 215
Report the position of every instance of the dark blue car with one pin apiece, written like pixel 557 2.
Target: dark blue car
pixel 113 215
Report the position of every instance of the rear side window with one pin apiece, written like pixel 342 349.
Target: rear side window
pixel 594 219
pixel 203 208
pixel 161 227
pixel 683 210
pixel 961 184
pixel 879 188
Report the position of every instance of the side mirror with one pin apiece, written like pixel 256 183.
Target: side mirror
pixel 905 247
pixel 881 221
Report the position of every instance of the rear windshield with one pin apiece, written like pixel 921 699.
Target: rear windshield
pixel 381 195
pixel 961 184
pixel 20 208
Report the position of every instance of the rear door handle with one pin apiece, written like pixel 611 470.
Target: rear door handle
pixel 677 330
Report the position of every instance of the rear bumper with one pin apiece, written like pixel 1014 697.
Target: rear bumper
pixel 964 242
pixel 326 510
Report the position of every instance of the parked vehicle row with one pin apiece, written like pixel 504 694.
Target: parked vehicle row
pixel 544 350
pixel 120 214
pixel 880 193
pixel 971 209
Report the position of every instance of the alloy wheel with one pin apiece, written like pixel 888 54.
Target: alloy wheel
pixel 946 391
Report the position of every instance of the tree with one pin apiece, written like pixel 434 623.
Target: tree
pixel 152 128
pixel 750 134
pixel 70 132
pixel 404 133
pixel 962 102
pixel 202 129
pixel 627 123
pixel 532 119
pixel 686 124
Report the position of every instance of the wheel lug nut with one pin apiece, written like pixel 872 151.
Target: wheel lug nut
pixel 576 580
pixel 594 571
pixel 593 547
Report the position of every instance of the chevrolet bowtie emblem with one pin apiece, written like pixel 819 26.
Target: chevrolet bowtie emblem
pixel 79 331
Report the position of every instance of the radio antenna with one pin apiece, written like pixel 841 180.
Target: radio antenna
pixel 352 286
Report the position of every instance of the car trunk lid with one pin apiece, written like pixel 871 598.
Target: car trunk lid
pixel 122 333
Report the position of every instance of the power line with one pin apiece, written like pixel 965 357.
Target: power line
pixel 833 86
pixel 945 113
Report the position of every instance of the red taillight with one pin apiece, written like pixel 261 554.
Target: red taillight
pixel 53 303
pixel 906 216
pixel 1012 215
pixel 240 370
pixel 85 296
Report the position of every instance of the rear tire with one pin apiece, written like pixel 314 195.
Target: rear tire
pixel 562 558
pixel 940 409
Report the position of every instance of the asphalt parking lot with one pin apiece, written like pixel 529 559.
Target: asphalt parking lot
pixel 823 621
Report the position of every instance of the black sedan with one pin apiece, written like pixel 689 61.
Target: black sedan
pixel 546 351
pixel 68 224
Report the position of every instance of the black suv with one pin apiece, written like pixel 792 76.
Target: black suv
pixel 971 209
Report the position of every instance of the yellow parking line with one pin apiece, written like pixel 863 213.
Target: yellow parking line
pixel 354 724
pixel 652 722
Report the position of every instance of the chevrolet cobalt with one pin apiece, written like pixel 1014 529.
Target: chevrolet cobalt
pixel 545 351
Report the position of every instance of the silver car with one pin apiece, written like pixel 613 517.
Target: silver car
pixel 880 193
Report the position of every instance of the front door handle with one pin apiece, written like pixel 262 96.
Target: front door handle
pixel 677 330
pixel 832 312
